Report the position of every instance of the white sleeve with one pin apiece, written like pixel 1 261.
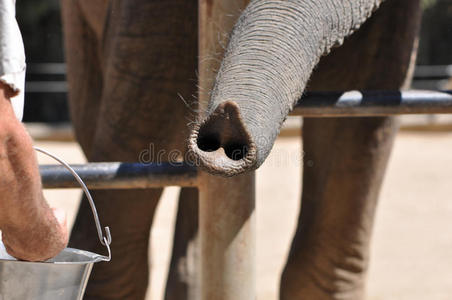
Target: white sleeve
pixel 12 54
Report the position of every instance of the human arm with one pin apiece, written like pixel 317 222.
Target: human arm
pixel 30 228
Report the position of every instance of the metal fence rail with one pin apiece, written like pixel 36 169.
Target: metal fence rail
pixel 116 175
pixel 373 103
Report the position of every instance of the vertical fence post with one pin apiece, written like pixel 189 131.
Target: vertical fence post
pixel 227 205
pixel 227 237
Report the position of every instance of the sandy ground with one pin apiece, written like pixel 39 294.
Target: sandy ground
pixel 412 245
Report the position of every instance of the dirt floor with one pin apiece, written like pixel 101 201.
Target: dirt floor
pixel 412 245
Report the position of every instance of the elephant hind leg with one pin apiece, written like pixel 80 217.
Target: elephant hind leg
pixel 345 159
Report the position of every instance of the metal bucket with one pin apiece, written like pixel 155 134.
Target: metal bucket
pixel 63 277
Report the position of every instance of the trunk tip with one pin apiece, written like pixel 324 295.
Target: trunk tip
pixel 221 143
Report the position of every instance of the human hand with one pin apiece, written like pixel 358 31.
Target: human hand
pixel 40 239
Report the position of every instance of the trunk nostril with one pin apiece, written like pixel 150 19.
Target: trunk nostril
pixel 209 143
pixel 236 151
pixel 224 130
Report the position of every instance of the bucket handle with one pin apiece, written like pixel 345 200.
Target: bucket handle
pixel 104 239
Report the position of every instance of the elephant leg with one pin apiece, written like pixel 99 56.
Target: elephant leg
pixel 145 55
pixel 344 162
pixel 182 275
pixel 345 159
pixel 129 215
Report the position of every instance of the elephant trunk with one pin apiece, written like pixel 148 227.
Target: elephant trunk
pixel 272 51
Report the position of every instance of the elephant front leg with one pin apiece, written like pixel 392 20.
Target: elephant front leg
pixel 344 163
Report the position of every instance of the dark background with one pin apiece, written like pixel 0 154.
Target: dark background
pixel 40 24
